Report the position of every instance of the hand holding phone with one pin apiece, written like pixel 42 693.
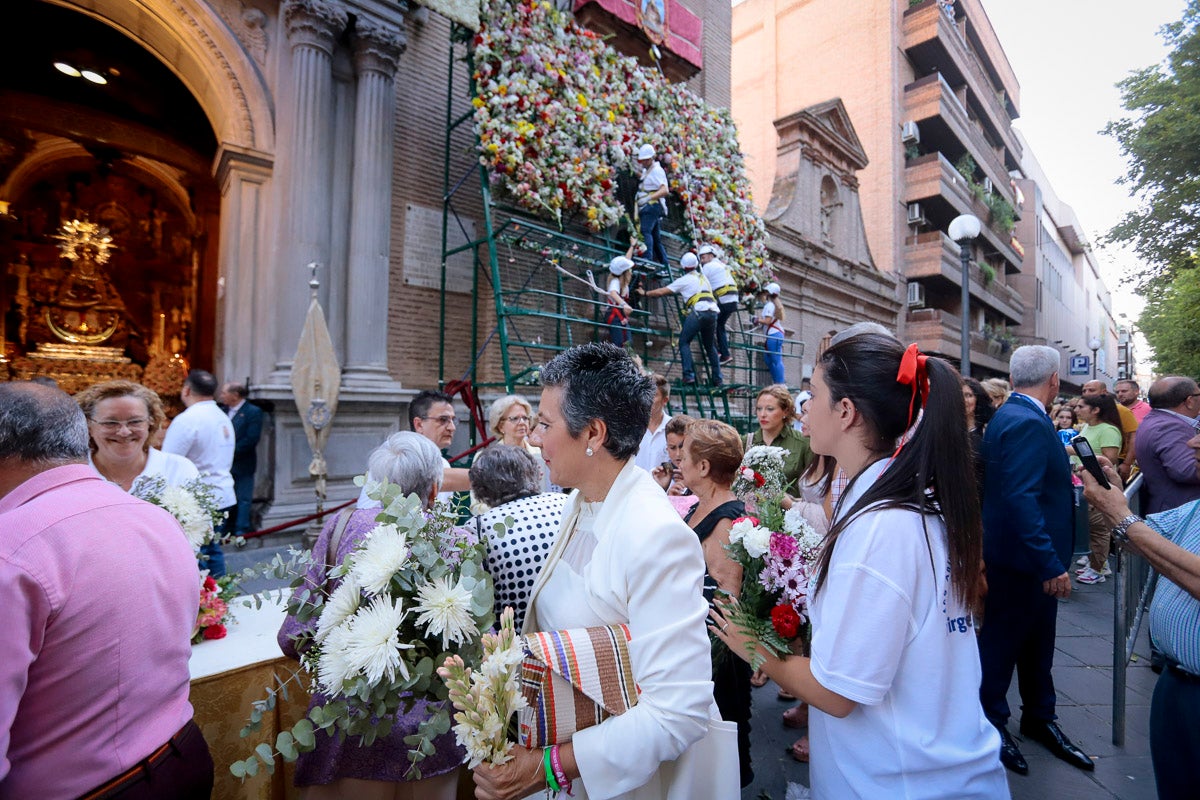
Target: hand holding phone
pixel 1083 449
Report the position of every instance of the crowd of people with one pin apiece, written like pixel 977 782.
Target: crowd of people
pixel 946 507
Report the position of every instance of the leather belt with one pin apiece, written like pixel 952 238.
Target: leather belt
pixel 1182 674
pixel 112 787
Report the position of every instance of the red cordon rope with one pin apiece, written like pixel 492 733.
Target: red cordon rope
pixel 291 523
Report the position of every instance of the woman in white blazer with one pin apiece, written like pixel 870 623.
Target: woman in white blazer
pixel 623 556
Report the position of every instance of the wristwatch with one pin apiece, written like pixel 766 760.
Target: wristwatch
pixel 1121 532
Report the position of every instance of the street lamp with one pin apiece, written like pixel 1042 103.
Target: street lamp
pixel 1094 344
pixel 963 229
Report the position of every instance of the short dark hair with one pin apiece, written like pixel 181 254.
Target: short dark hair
pixel 677 425
pixel 425 400
pixel 1131 382
pixel 601 381
pixel 502 473
pixel 1171 391
pixel 237 389
pixel 201 382
pixel 41 425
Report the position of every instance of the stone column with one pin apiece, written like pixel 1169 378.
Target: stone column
pixel 377 52
pixel 312 29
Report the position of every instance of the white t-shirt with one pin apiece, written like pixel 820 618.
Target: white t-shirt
pixel 691 283
pixel 889 635
pixel 774 329
pixel 652 179
pixel 717 275
pixel 203 435
pixel 175 470
pixel 653 449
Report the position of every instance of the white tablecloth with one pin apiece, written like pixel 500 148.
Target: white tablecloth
pixel 251 638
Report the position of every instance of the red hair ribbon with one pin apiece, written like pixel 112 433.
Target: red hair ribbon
pixel 913 373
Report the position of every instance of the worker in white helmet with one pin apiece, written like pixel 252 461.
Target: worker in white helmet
pixel 700 316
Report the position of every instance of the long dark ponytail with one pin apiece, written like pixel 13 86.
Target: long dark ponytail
pixel 932 472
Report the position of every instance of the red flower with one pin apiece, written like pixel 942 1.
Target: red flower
pixel 759 480
pixel 209 584
pixel 784 619
pixel 218 631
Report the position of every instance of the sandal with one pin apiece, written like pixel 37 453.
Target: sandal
pixel 796 716
pixel 758 679
pixel 799 750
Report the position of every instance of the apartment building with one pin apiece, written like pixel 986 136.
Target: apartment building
pixel 932 97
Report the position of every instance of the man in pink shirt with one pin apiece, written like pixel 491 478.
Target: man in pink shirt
pixel 100 592
pixel 1129 395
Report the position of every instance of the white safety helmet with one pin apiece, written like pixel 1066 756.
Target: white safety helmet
pixel 620 265
pixel 707 249
pixel 689 261
pixel 645 152
pixel 772 289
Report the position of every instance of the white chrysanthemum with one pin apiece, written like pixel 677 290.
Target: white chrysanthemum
pixel 757 541
pixel 340 606
pixel 373 646
pixel 182 505
pixel 383 553
pixel 446 611
pixel 740 529
pixel 334 667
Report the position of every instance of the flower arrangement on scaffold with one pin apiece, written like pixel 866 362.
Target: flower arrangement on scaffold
pixel 413 591
pixel 194 506
pixel 778 552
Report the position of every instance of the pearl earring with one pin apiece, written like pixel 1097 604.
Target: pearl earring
pixel 590 452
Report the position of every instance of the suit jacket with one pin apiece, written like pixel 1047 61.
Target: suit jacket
pixel 1166 461
pixel 1028 506
pixel 247 429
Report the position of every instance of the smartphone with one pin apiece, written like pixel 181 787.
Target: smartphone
pixel 1083 449
pixel 667 467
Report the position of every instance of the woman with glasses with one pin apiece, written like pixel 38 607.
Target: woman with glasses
pixel 123 417
pixel 510 419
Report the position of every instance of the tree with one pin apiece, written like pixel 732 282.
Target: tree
pixel 1161 139
pixel 1169 323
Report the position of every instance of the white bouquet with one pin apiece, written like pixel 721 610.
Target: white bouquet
pixel 192 504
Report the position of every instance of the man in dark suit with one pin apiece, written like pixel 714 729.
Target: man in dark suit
pixel 247 420
pixel 1027 538
pixel 1169 468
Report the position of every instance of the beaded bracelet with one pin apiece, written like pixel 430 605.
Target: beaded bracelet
pixel 551 780
pixel 560 774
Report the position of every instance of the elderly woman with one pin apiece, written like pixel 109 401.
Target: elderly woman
pixel 623 556
pixel 708 461
pixel 340 768
pixel 123 417
pixel 508 480
pixel 509 419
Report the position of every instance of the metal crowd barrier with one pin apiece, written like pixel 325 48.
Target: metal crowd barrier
pixel 1134 579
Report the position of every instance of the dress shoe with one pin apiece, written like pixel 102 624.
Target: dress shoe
pixel 1050 735
pixel 1010 756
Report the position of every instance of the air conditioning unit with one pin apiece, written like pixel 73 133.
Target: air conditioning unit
pixel 916 214
pixel 987 185
pixel 910 133
pixel 916 295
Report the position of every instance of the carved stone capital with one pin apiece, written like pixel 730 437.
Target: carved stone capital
pixel 377 48
pixel 314 23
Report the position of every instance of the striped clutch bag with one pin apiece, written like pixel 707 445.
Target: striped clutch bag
pixel 572 680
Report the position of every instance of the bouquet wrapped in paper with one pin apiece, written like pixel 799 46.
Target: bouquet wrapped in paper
pixel 778 553
pixel 412 593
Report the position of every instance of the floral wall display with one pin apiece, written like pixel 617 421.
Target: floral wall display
pixel 559 113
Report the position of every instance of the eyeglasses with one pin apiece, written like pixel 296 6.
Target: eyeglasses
pixel 444 420
pixel 114 425
pixel 518 420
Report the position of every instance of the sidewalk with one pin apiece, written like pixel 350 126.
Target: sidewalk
pixel 1083 681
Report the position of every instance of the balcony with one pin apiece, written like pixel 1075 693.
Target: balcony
pixel 934 43
pixel 939 332
pixel 933 258
pixel 933 176
pixel 931 103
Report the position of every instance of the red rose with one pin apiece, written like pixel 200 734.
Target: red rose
pixel 784 619
pixel 759 480
pixel 209 584
pixel 218 631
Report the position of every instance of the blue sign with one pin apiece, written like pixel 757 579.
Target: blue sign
pixel 1081 365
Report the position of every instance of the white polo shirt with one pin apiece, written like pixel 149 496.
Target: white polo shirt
pixel 717 275
pixel 692 283
pixel 653 449
pixel 203 435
